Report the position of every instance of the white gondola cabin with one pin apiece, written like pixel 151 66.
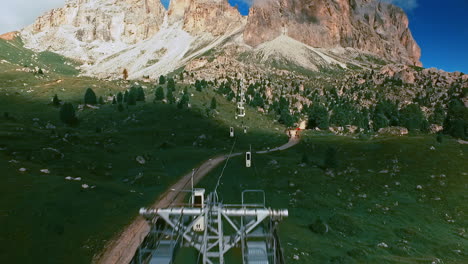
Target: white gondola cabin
pixel 240 110
pixel 248 159
pixel 231 132
pixel 198 201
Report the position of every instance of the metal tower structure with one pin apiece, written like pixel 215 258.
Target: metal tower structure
pixel 213 229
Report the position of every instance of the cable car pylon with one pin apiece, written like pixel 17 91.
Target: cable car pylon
pixel 201 225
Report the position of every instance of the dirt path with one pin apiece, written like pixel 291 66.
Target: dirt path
pixel 122 249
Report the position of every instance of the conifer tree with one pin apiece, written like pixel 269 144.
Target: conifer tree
pixel 162 80
pixel 170 96
pixel 159 94
pixel 171 84
pixel 132 98
pixel 140 94
pixel 56 101
pixel 125 97
pixel 119 97
pixel 90 97
pixel 213 104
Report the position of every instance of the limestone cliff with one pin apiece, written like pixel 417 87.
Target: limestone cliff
pixel 82 25
pixel 141 36
pixel 214 16
pixel 366 25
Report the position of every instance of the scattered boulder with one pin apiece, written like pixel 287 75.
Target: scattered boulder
pixel 45 171
pixel 273 162
pixel 394 131
pixel 48 154
pixel 436 128
pixel 50 126
pixel 382 245
pixel 140 160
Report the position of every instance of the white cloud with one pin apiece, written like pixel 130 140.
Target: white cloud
pixel 407 5
pixel 17 14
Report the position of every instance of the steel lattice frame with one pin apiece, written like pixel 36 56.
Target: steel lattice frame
pixel 213 244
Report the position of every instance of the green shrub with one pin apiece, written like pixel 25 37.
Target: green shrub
pixel 380 121
pixel 456 122
pixel 412 117
pixel 389 110
pixel 286 118
pixel 438 116
pixel 318 117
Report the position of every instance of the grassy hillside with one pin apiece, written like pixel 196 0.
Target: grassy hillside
pixel 389 200
pixel 14 52
pixel 382 200
pixel 48 218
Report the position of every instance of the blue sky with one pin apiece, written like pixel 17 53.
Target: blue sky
pixel 439 27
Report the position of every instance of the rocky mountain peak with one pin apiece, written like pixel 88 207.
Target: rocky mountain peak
pixel 366 25
pixel 107 34
pixel 214 16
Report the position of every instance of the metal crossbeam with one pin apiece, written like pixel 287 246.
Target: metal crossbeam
pixel 213 243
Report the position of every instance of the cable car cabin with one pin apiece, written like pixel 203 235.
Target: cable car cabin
pixel 248 159
pixel 241 111
pixel 198 197
pixel 231 132
pixel 198 200
pixel 245 130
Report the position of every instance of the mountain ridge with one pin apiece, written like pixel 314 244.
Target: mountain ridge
pixel 100 32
